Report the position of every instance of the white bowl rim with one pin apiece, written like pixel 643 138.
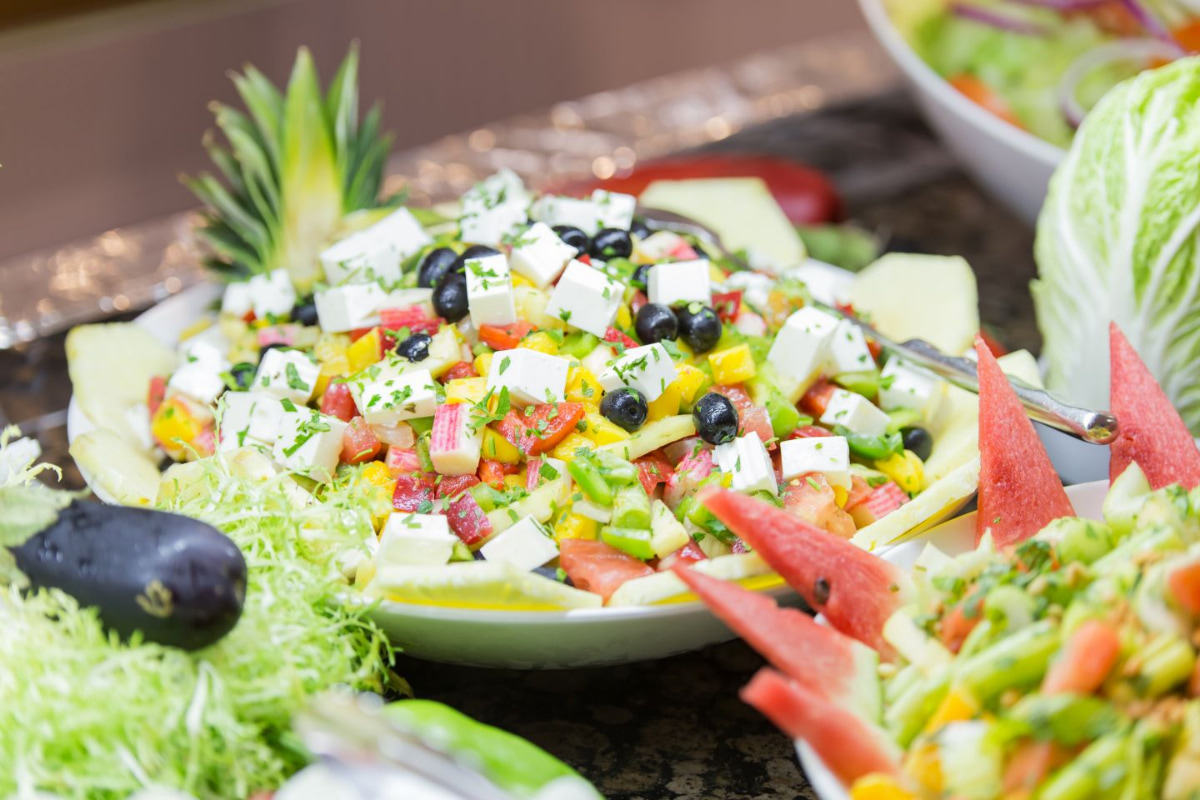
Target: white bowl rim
pixel 918 70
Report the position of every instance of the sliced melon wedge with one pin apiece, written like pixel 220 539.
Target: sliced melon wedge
pixel 116 470
pixel 478 585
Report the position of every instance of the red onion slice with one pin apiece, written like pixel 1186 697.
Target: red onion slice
pixel 1004 22
pixel 1122 50
pixel 1061 5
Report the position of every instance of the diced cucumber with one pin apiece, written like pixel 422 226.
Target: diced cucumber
pixel 1077 539
pixel 1125 498
pixel 484 495
pixel 668 533
pixel 578 344
pixel 864 382
pixel 634 541
pixel 765 391
pixel 631 508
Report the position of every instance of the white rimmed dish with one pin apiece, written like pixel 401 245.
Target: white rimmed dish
pixel 953 537
pixel 1012 164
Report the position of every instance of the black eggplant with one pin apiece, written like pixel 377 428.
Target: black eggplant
pixel 179 581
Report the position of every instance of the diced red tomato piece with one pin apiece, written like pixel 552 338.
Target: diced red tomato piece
pixel 453 485
pixel 809 432
pixel 737 395
pixel 817 398
pixel 812 499
pixel 683 251
pixel 1184 585
pixel 653 469
pixel 338 402
pixel 614 336
pixel 860 490
pixel 690 553
pixel 874 348
pixel 359 443
pixel 639 300
pixel 882 500
pixel 492 473
pixel 596 567
pixel 463 369
pixel 756 420
pixel 540 430
pixel 1085 661
pixel 413 317
pixel 468 520
pixel 401 459
pixel 585 258
pixel 958 623
pixel 504 337
pixel 727 304
pixel 358 333
pixel 412 490
pixel 156 393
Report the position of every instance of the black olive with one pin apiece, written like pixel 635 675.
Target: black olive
pixel 699 326
pixel 640 230
pixel 641 277
pixel 656 322
pixel 574 237
pixel 625 407
pixel 435 266
pixel 262 351
pixel 415 348
pixel 716 419
pixel 919 441
pixel 450 298
pixel 612 243
pixel 243 374
pixel 305 312
pixel 479 251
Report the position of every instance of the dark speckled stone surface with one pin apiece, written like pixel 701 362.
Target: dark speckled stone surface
pixel 674 729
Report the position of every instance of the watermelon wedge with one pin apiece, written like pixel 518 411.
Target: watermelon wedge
pixel 816 656
pixel 850 747
pixel 855 590
pixel 1152 433
pixel 1019 491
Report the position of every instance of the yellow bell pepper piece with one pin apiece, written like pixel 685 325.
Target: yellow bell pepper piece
pixel 715 273
pixel 575 526
pixel 923 766
pixel 515 481
pixel 667 403
pixel 879 787
pixel 565 451
pixel 958 705
pixel 366 351
pixel 541 342
pixel 466 390
pixel 483 363
pixel 378 478
pixel 690 381
pixel 496 448
pixel 583 387
pixel 734 365
pixel 624 317
pixel 906 469
pixel 601 430
pixel 174 424
pixel 521 280
pixel 840 496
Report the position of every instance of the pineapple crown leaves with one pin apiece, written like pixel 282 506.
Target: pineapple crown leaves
pixel 292 165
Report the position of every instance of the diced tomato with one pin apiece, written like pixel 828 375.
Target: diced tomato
pixel 504 337
pixel 812 499
pixel 874 348
pixel 639 300
pixel 1184 585
pixel 413 317
pixel 452 485
pixel 1084 663
pixel 882 500
pixel 757 420
pixel 412 490
pixel 653 469
pixel 585 258
pixel 983 96
pixel 809 432
pixel 467 520
pixel 737 395
pixel 492 473
pixel 540 430
pixel 338 402
pixel 596 567
pixel 683 251
pixel 463 369
pixel 400 459
pixel 727 304
pixel 959 622
pixel 156 394
pixel 817 398
pixel 359 443
pixel 614 336
pixel 690 553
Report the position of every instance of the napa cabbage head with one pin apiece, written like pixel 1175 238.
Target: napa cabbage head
pixel 1119 239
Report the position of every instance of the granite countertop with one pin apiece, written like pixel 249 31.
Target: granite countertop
pixel 674 729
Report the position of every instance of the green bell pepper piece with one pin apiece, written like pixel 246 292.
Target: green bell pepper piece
pixel 871 447
pixel 634 541
pixel 864 382
pixel 590 480
pixel 631 508
pixel 578 344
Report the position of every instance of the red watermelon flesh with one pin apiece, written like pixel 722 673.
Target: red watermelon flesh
pixel 855 590
pixel 1151 431
pixel 599 568
pixel 850 747
pixel 1019 491
pixel 816 656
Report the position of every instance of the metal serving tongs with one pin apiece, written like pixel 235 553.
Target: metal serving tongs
pixel 1097 427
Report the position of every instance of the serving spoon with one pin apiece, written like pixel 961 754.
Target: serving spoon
pixel 1089 425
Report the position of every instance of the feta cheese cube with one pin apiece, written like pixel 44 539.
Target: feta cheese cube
pixel 309 443
pixel 349 307
pixel 250 418
pixel 490 226
pixel 801 347
pixel 374 255
pixel 662 245
pixel 848 351
pixel 586 298
pixel 503 186
pixel 272 294
pixel 616 209
pixel 539 255
pixel 530 377
pixel 406 298
pixel 904 386
pixel 558 210
pixel 746 458
pixel 203 352
pixel 454 447
pixel 755 287
pixel 828 455
pixel 288 374
pixel 855 412
pixel 526 545
pixel 490 291
pixel 649 369
pixel 201 382
pixel 826 283
pixel 415 539
pixel 390 392
pixel 237 301
pixel 681 282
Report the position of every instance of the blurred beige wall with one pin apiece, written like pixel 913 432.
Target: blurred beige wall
pixel 99 115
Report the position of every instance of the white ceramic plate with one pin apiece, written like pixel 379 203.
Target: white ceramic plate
pixel 1012 164
pixel 953 537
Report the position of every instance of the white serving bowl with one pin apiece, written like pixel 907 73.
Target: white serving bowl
pixel 1013 165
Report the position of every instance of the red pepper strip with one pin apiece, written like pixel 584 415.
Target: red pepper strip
pixel 817 398
pixel 453 485
pixel 463 369
pixel 540 430
pixel 727 305
pixel 504 337
pixel 492 473
pixel 614 336
pixel 653 469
